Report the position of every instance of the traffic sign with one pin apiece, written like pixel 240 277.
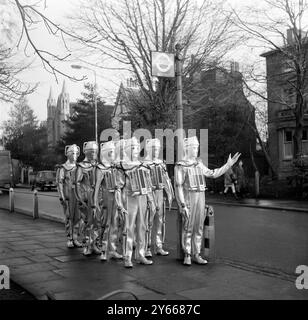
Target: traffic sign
pixel 162 64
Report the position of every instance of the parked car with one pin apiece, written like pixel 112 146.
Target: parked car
pixel 45 179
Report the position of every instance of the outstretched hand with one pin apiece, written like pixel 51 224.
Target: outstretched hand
pixel 233 160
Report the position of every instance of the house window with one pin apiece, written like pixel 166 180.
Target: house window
pixel 287 144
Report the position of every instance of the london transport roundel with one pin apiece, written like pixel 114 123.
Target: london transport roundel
pixel 162 64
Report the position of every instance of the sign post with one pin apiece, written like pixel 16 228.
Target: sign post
pixel 179 126
pixel 170 65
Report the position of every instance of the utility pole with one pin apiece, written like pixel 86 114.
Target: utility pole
pixel 179 100
pixel 179 126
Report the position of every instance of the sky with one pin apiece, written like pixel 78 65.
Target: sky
pixel 107 81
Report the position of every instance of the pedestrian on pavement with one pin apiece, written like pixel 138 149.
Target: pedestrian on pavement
pixel 241 179
pixel 65 185
pixel 230 181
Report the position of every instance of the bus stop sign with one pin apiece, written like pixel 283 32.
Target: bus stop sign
pixel 162 64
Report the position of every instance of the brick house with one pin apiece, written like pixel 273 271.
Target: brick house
pixel 281 120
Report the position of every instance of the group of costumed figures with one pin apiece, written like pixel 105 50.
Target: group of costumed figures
pixel 116 206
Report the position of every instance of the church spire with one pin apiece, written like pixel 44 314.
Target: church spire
pixel 50 93
pixel 64 87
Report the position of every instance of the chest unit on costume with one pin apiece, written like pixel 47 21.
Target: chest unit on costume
pixel 111 179
pixel 140 180
pixel 69 175
pixel 195 180
pixel 157 172
pixel 88 173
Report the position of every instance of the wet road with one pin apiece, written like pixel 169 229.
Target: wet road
pixel 267 239
pixel 262 237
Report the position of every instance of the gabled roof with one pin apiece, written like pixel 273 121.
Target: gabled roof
pixel 127 93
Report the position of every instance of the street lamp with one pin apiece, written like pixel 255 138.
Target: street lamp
pixel 76 66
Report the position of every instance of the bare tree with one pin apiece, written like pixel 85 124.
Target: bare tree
pixel 127 31
pixel 256 93
pixel 267 28
pixel 11 88
pixel 23 18
pixel 33 16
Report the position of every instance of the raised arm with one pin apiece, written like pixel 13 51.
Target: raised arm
pixel 215 173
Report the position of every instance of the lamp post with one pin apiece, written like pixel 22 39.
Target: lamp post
pixel 76 66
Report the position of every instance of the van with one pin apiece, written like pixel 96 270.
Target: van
pixel 6 169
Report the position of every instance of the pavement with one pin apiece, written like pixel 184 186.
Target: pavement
pixel 275 204
pixel 16 292
pixel 39 262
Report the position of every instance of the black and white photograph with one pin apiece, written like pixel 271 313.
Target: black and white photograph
pixel 153 153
